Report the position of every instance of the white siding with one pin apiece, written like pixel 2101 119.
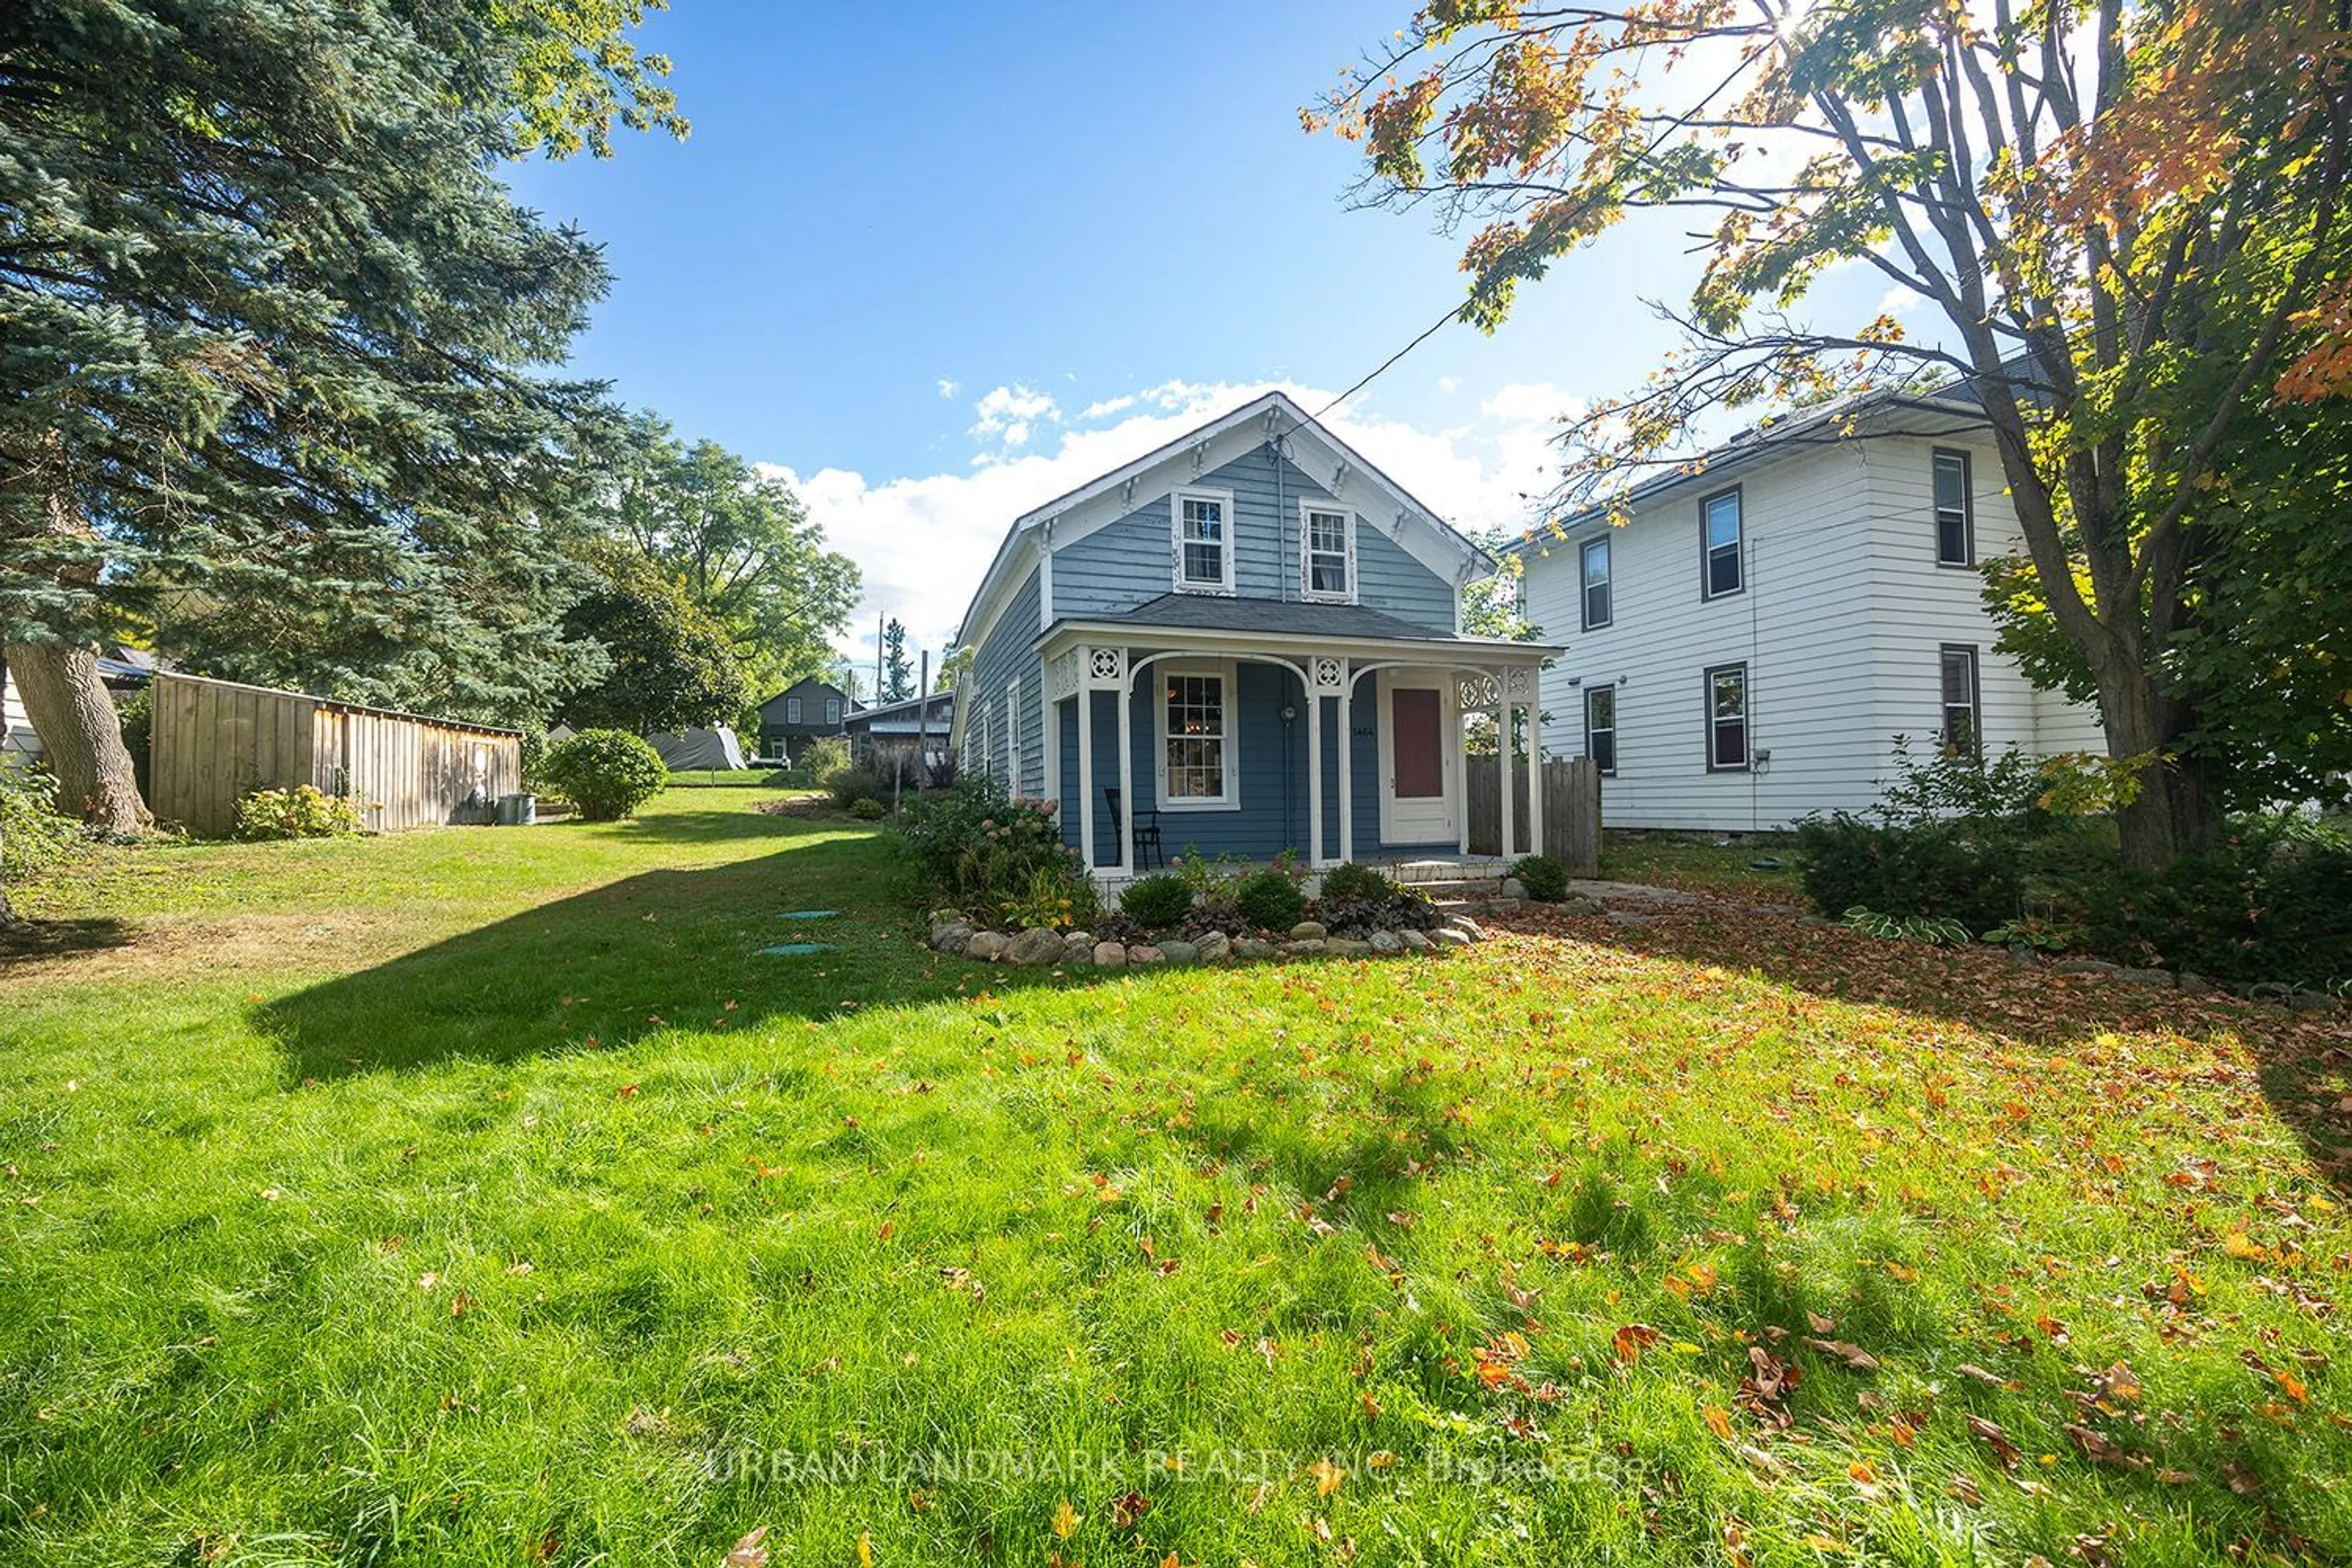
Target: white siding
pixel 1841 625
pixel 20 740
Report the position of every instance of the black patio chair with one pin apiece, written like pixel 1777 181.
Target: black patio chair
pixel 1148 851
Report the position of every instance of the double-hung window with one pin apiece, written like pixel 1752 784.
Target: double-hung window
pixel 1012 780
pixel 1202 543
pixel 1327 539
pixel 1721 569
pixel 1961 733
pixel 1601 728
pixel 1196 739
pixel 1727 718
pixel 792 709
pixel 832 710
pixel 1956 534
pixel 1593 562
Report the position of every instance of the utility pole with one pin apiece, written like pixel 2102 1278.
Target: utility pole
pixel 878 659
pixel 923 717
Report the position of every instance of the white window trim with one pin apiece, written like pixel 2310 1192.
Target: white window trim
pixel 1013 736
pixel 833 709
pixel 1224 671
pixel 1708 591
pixel 1306 589
pixel 1584 585
pixel 792 709
pixel 1182 583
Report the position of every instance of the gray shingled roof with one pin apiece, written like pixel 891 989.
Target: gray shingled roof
pixel 1215 612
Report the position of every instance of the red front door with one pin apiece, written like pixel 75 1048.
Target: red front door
pixel 1420 755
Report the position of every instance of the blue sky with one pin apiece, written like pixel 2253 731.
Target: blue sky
pixel 917 256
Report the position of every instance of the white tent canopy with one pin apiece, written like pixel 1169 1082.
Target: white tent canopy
pixel 697 750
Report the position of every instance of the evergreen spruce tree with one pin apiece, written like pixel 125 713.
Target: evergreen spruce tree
pixel 276 344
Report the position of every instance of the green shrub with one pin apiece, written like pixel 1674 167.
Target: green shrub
pixel 847 786
pixel 1941 871
pixel 1351 880
pixel 868 809
pixel 1056 896
pixel 303 812
pixel 826 755
pixel 1157 902
pixel 1212 882
pixel 534 760
pixel 1545 878
pixel 2257 909
pixel 606 773
pixel 1271 900
pixel 1933 931
pixel 34 833
pixel 974 847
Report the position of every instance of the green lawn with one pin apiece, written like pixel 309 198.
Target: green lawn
pixel 485 1196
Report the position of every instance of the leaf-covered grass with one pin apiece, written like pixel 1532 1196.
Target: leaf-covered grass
pixel 483 1196
pixel 1702 863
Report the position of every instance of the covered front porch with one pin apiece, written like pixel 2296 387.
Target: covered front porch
pixel 1164 740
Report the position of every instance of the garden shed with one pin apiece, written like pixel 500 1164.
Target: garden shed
pixel 214 741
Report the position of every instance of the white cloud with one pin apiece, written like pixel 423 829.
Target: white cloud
pixel 924 541
pixel 1449 384
pixel 948 389
pixel 1010 414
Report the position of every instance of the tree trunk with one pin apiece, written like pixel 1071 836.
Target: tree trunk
pixel 2177 810
pixel 82 737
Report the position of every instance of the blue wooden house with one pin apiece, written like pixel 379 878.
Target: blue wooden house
pixel 1245 642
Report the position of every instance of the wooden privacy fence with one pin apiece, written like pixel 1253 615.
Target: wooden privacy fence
pixel 1571 810
pixel 214 741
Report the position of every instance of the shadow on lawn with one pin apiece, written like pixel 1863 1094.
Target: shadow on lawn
pixel 2303 1063
pixel 601 969
pixel 36 939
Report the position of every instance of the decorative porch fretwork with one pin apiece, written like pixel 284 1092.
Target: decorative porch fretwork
pixel 1477 692
pixel 1331 674
pixel 1106 666
pixel 1519 682
pixel 1062 676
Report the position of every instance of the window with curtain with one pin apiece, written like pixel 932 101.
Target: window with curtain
pixel 1194 730
pixel 1727 717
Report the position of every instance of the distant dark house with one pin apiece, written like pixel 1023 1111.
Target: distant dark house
pixel 803 712
pixel 918 726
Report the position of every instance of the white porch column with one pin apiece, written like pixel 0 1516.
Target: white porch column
pixel 1502 762
pixel 1462 693
pixel 1535 777
pixel 1346 773
pixel 1315 858
pixel 1126 767
pixel 1086 767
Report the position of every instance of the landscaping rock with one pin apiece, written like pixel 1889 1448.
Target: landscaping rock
pixel 1301 947
pixel 1415 941
pixel 2085 966
pixel 1467 926
pixel 1346 947
pixel 987 946
pixel 2268 991
pixel 1078 950
pixel 1579 904
pixel 1037 945
pixel 1216 947
pixel 2311 1001
pixel 1144 952
pixel 1110 955
pixel 1514 888
pixel 1181 951
pixel 943 918
pixel 1451 936
pixel 1308 931
pixel 1387 942
pixel 1253 947
pixel 2194 983
pixel 952 937
pixel 2145 976
pixel 1632 917
pixel 1085 939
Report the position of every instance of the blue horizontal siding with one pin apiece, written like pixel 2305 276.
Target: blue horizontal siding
pixel 1009 653
pixel 1121 565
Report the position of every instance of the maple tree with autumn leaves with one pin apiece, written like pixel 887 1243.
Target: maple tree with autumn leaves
pixel 2128 218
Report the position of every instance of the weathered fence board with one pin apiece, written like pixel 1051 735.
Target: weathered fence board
pixel 1572 811
pixel 214 741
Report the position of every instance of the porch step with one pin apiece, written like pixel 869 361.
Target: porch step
pixel 1469 868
